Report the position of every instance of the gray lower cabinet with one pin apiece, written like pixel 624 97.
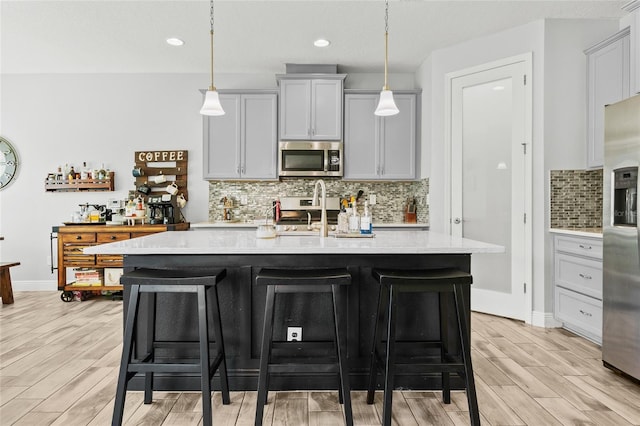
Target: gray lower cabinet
pixel 608 80
pixel 380 148
pixel 578 284
pixel 242 144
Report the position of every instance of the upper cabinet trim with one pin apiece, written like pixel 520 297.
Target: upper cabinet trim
pixel 610 40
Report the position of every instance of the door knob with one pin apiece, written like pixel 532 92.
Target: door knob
pixel 457 220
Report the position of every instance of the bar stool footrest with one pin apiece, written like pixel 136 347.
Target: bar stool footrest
pixel 303 368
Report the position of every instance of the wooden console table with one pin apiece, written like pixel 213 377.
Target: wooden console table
pixel 73 239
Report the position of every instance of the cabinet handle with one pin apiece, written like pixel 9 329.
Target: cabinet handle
pixel 113 237
pixel 582 246
pixel 78 237
pixel 586 277
pixel 238 170
pixel 587 314
pixel 242 170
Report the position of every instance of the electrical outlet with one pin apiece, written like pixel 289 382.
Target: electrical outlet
pixel 294 334
pixel 243 199
pixel 373 199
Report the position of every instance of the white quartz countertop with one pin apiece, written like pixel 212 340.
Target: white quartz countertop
pixel 579 232
pixel 240 225
pixel 224 241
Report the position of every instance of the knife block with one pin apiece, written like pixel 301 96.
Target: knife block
pixel 410 217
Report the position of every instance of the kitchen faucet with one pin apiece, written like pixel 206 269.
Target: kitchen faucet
pixel 324 228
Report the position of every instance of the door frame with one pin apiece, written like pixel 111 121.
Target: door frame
pixel 527 60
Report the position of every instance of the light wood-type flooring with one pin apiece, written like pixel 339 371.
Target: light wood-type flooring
pixel 59 361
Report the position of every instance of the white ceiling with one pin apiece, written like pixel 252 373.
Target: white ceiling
pixel 73 36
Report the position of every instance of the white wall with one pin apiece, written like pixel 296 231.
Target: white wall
pixel 53 119
pixel 565 120
pixel 559 117
pixel 58 119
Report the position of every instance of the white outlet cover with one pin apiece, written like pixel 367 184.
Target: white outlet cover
pixel 294 334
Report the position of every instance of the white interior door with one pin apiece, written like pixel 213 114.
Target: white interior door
pixel 490 180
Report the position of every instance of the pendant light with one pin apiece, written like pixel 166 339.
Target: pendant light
pixel 386 105
pixel 211 104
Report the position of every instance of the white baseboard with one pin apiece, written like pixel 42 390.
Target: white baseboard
pixel 49 285
pixel 544 319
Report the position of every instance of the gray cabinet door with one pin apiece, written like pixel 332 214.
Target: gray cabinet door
pixel 608 82
pixel 295 109
pixel 361 135
pixel 398 141
pixel 259 136
pixel 379 148
pixel 326 109
pixel 242 144
pixel 222 141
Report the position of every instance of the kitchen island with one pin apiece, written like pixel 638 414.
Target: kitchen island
pixel 242 301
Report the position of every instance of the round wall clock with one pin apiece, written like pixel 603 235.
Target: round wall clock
pixel 8 163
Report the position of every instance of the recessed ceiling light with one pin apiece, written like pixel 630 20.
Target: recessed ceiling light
pixel 321 42
pixel 498 88
pixel 175 41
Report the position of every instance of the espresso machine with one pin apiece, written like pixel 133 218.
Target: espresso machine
pixel 163 209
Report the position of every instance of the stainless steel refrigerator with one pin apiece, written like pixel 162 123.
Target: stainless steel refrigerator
pixel 621 261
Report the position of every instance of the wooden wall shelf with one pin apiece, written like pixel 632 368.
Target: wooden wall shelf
pixel 81 184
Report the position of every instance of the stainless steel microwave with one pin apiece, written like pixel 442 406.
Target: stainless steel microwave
pixel 310 158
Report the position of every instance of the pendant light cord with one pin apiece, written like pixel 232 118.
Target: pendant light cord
pixel 212 87
pixel 386 42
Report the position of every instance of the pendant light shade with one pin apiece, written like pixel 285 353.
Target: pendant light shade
pixel 211 104
pixel 386 104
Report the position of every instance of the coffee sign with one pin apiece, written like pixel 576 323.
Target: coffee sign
pixel 160 156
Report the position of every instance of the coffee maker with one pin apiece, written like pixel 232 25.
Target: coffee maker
pixel 163 209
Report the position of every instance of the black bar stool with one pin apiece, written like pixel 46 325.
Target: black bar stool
pixel 153 281
pixel 441 281
pixel 334 281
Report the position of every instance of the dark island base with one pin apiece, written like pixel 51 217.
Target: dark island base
pixel 242 310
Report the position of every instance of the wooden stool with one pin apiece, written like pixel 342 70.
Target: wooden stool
pixel 441 281
pixel 171 281
pixel 334 281
pixel 6 291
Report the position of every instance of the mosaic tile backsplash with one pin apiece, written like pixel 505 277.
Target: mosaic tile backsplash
pixel 576 199
pixel 391 197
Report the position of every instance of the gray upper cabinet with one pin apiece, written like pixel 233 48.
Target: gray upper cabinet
pixel 242 143
pixel 633 20
pixel 608 79
pixel 311 108
pixel 380 148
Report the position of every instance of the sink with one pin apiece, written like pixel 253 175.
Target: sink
pixel 315 233
pixel 298 233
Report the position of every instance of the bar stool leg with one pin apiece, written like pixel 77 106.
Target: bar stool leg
pixel 444 342
pixel 217 330
pixel 265 355
pixel 466 355
pixel 205 376
pixel 151 337
pixel 390 367
pixel 373 367
pixel 127 350
pixel 340 307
